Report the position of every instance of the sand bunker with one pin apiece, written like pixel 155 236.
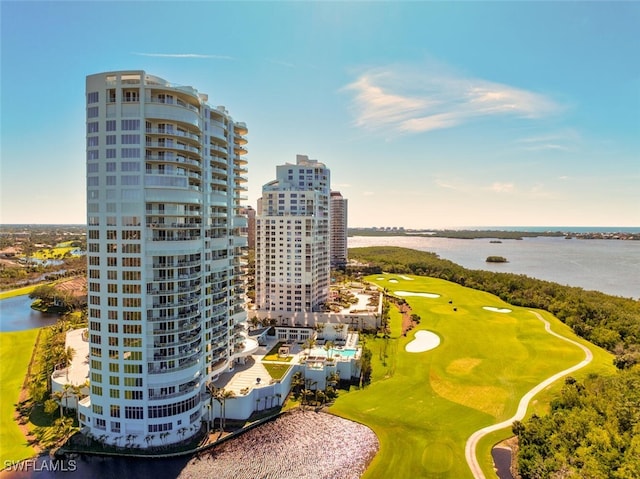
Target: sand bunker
pixel 424 295
pixel 425 341
pixel 393 281
pixel 406 277
pixel 380 279
pixel 496 310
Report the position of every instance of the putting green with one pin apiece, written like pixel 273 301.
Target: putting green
pixel 424 407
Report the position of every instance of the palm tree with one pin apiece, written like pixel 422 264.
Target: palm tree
pixel 226 395
pixel 149 438
pixel 333 379
pixel 220 395
pixel 297 381
pixel 63 428
pixel 328 347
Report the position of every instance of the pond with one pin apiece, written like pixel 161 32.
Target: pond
pixel 16 315
pixel 299 444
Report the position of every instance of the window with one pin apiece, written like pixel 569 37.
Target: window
pixel 160 427
pixel 133 394
pixel 130 166
pixel 92 97
pixel 111 180
pixel 101 423
pixel 114 393
pixel 130 125
pixel 130 139
pixel 111 152
pixel 92 127
pixel 130 152
pixel 133 412
pixel 133 382
pixel 130 180
pixel 111 125
pixel 110 166
pixel 131 302
pixel 92 181
pixel 130 95
pixel 115 426
pixel 92 167
pixel 131 275
pixel 133 368
pixel 131 248
pixel 111 139
pixel 92 141
pixel 92 112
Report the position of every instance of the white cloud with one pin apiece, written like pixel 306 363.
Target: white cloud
pixel 407 100
pixel 183 55
pixel 498 187
pixel 560 141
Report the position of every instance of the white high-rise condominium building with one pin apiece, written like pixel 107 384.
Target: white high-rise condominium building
pixel 338 230
pixel 292 239
pixel 165 182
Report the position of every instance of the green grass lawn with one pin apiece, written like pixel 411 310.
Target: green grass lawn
pixel 17 292
pixel 15 354
pixel 52 253
pixel 276 371
pixel 424 406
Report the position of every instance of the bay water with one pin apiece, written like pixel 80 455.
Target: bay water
pixel 606 265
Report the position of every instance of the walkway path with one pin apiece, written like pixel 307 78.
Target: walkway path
pixel 474 439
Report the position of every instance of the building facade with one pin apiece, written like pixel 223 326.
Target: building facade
pixel 166 178
pixel 292 239
pixel 339 212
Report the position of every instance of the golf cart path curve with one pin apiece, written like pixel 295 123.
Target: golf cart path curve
pixel 472 442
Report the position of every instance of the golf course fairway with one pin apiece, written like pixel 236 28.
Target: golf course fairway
pixel 425 405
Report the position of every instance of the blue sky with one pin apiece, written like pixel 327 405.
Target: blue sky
pixel 429 114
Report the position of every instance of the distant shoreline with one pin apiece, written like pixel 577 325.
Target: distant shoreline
pixel 615 234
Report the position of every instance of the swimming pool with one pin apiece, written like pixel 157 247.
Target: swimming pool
pixel 345 353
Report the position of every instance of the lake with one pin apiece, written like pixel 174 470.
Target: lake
pixel 298 444
pixel 16 315
pixel 609 266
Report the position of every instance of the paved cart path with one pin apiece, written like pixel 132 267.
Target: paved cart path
pixel 472 442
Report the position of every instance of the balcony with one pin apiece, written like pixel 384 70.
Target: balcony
pixel 239 150
pixel 171 145
pixel 173 132
pixel 240 128
pixel 154 316
pixel 172 159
